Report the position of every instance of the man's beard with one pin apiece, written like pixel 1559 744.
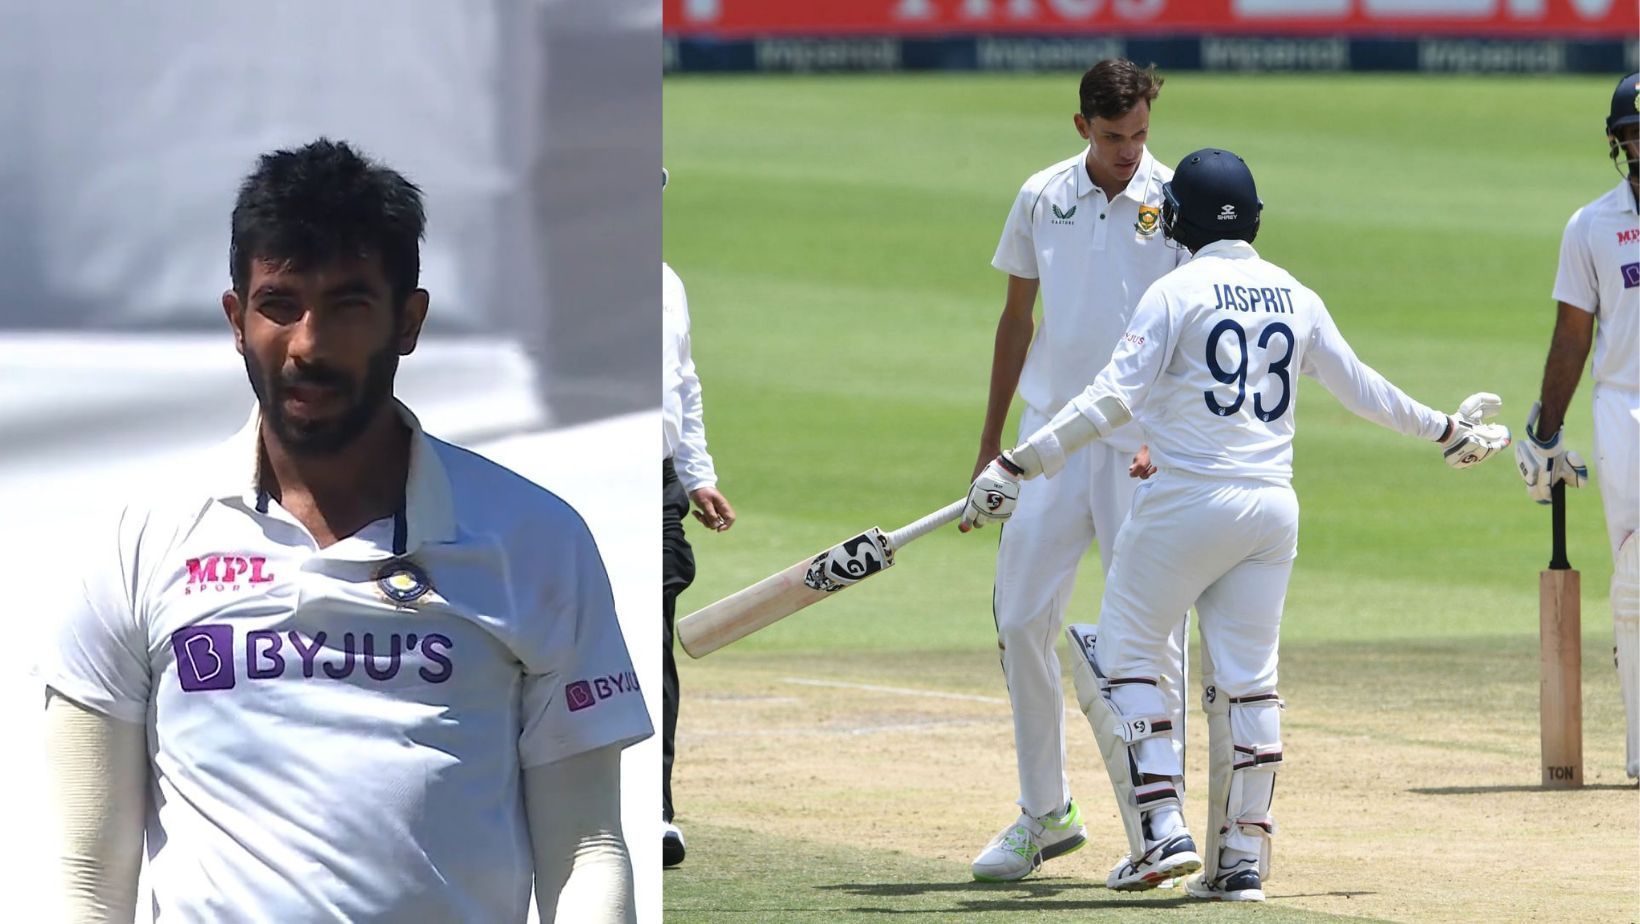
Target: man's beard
pixel 325 436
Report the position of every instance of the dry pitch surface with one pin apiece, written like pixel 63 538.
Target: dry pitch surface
pixel 861 788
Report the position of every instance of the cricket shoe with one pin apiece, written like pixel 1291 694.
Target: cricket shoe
pixel 1022 846
pixel 671 845
pixel 1237 884
pixel 1168 858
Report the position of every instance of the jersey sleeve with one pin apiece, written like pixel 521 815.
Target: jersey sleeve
pixel 1016 252
pixel 580 689
pixel 694 462
pixel 1330 361
pixel 1139 358
pixel 1575 282
pixel 97 654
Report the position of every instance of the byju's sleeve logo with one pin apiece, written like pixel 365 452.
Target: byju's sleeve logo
pixel 584 694
pixel 579 696
pixel 204 657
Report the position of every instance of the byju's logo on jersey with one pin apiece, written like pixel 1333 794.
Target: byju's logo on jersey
pixel 204 657
pixel 1631 275
pixel 584 694
pixel 1063 218
pixel 221 573
pixel 207 656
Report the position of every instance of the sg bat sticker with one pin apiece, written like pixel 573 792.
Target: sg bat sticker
pixel 850 562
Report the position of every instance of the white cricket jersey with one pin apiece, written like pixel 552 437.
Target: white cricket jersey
pixel 339 734
pixel 1210 360
pixel 1093 257
pixel 683 424
pixel 1600 273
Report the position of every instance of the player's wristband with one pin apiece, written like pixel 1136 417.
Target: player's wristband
pixel 1007 463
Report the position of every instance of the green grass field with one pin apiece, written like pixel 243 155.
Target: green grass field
pixel 835 236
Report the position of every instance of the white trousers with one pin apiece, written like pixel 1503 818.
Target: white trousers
pixel 1617 472
pixel 1617 459
pixel 1226 546
pixel 1039 549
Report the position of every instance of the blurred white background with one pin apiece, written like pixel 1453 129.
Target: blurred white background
pixel 124 132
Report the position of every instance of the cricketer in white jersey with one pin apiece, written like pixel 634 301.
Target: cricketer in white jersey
pixel 1209 365
pixel 1597 293
pixel 1086 233
pixel 339 670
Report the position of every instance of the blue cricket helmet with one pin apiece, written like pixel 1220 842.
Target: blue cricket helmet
pixel 1211 197
pixel 1625 104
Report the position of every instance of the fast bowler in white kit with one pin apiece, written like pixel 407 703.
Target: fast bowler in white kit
pixel 1597 291
pixel 1208 365
pixel 339 670
pixel 1086 233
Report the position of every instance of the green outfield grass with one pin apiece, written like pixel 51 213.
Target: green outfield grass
pixel 835 236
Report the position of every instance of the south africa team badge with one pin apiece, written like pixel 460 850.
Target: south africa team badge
pixel 1148 215
pixel 402 581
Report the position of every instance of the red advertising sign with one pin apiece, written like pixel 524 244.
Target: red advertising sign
pixel 1612 19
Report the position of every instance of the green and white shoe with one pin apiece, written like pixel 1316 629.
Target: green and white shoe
pixel 1022 846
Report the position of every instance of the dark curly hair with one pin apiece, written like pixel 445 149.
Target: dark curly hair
pixel 323 202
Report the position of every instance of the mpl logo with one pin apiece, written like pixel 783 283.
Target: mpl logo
pixel 584 694
pixel 221 573
pixel 1629 236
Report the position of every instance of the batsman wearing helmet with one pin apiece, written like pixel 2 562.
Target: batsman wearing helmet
pixel 1208 365
pixel 1597 289
pixel 1085 234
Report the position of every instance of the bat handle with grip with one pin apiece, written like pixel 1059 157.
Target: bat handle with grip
pixel 920 528
pixel 1557 522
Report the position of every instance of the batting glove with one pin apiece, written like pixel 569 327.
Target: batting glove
pixel 1471 440
pixel 993 495
pixel 1542 463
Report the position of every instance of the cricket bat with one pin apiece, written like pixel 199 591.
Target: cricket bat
pixel 809 581
pixel 1560 640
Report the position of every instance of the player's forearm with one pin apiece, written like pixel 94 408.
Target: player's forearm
pixel 1013 342
pixel 99 777
pixel 1568 350
pixel 599 888
pixel 1367 394
pixel 582 869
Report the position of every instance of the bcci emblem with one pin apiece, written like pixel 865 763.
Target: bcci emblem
pixel 402 581
pixel 1149 215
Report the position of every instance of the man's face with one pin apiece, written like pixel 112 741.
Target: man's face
pixel 1118 143
pixel 321 346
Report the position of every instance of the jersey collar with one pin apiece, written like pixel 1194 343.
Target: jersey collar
pixel 429 512
pixel 1136 187
pixel 1230 249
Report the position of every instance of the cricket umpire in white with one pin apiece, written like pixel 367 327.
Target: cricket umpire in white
pixel 339 670
pixel 1086 233
pixel 1597 291
pixel 687 475
pixel 1209 365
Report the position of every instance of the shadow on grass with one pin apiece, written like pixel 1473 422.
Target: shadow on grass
pixel 1490 790
pixel 971 897
pixel 1026 897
